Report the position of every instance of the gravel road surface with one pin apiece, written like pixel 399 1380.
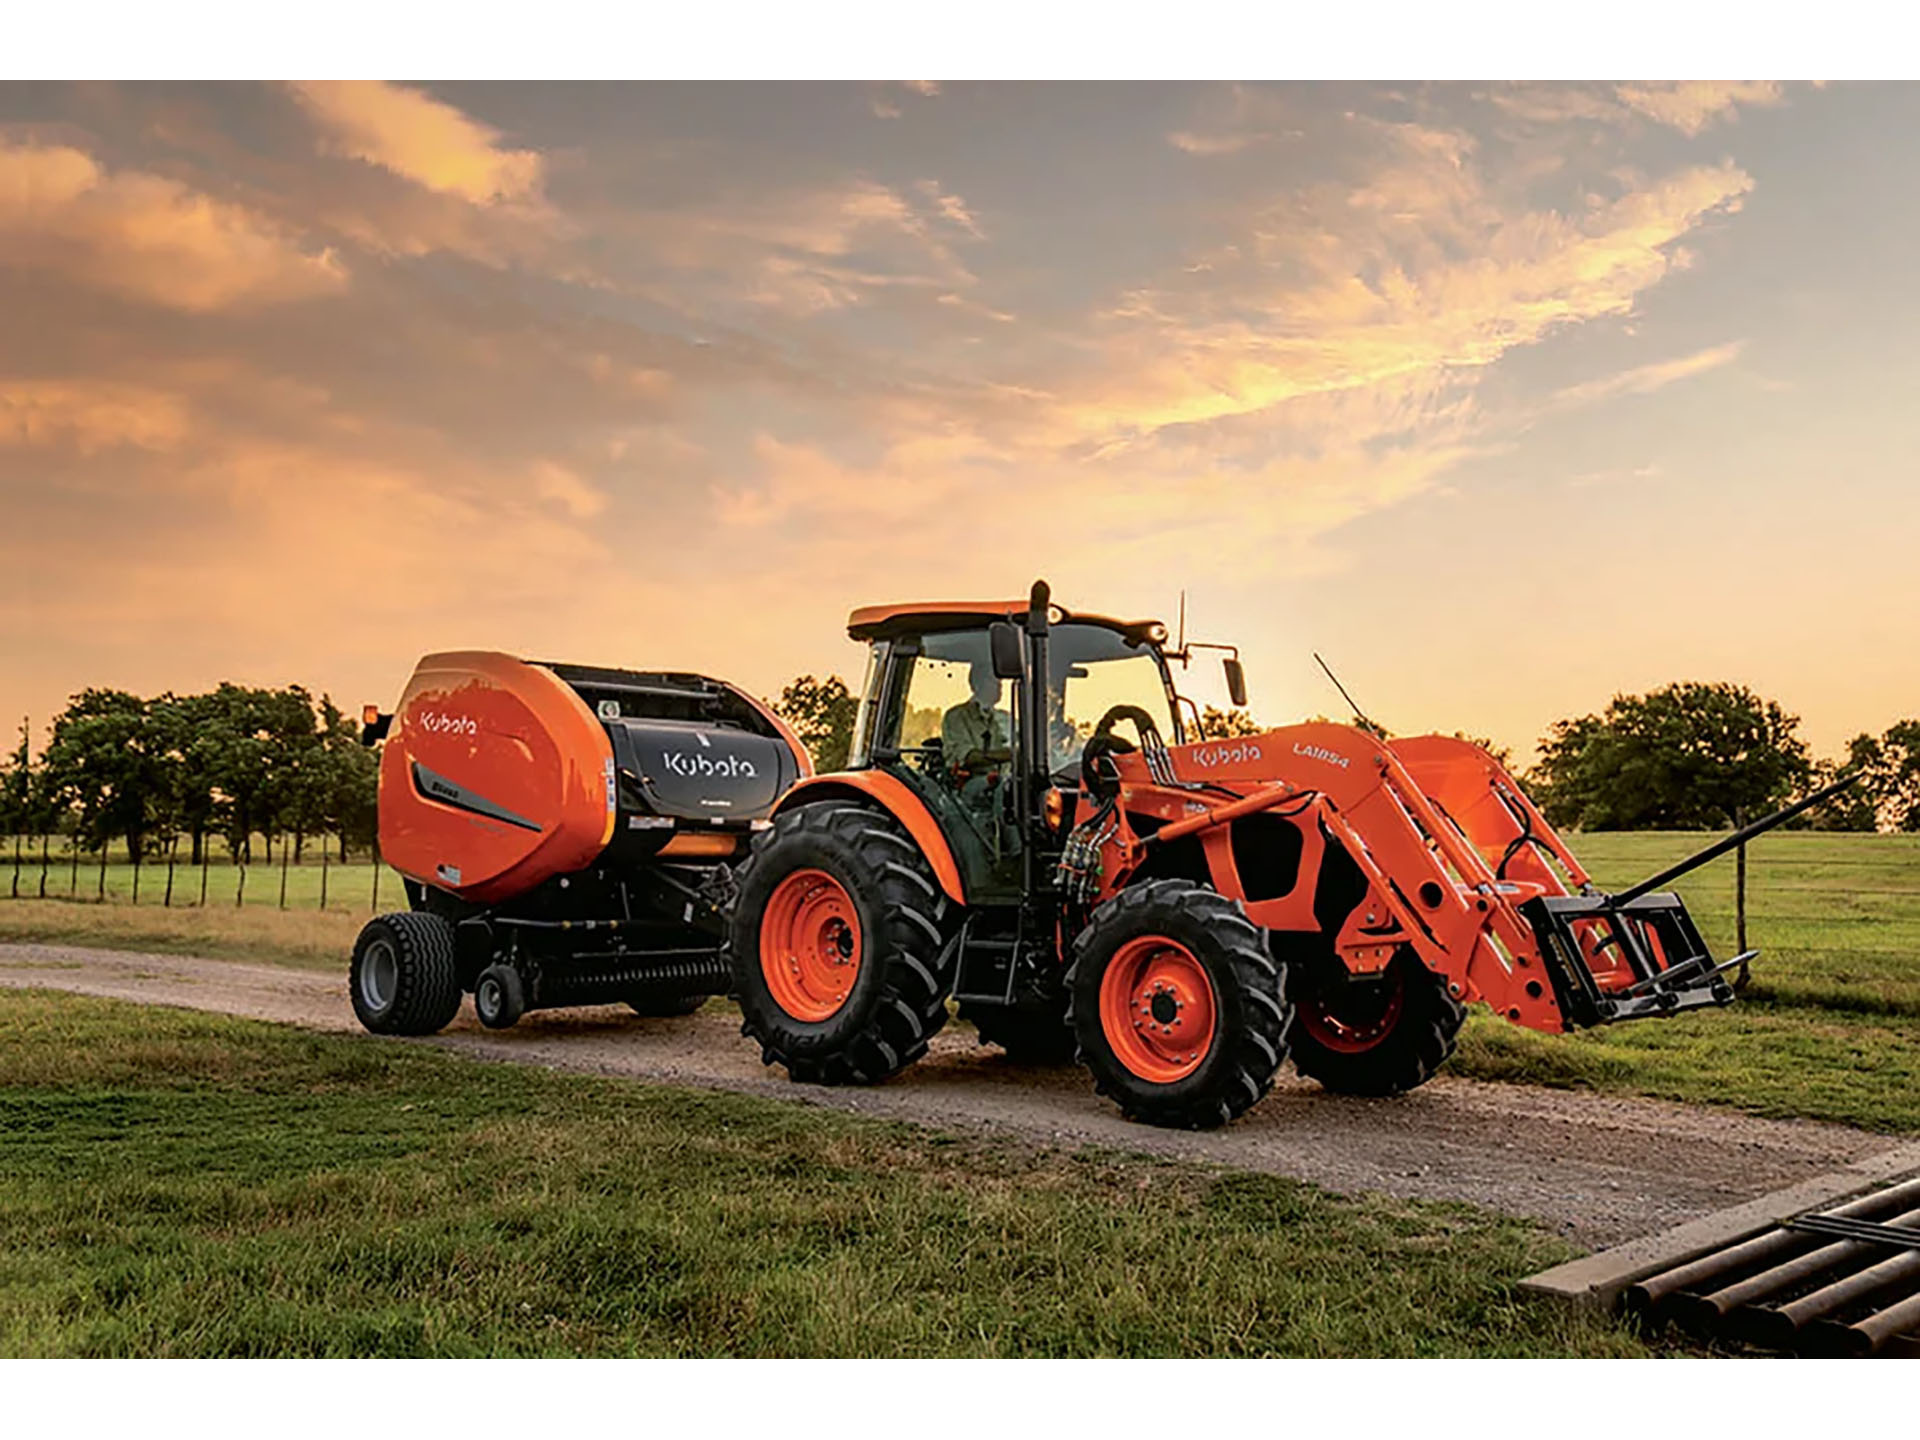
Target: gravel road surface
pixel 1598 1169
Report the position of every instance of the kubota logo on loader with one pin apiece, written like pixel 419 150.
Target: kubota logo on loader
pixel 682 762
pixel 1226 754
pixel 1314 752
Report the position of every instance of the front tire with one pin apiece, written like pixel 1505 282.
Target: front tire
pixel 1373 1037
pixel 499 997
pixel 839 946
pixel 1180 1012
pixel 402 977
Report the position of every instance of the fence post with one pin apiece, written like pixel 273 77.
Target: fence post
pixel 16 865
pixel 240 889
pixel 206 847
pixel 136 852
pixel 285 851
pixel 1740 902
pixel 324 857
pixel 73 867
pixel 101 893
pixel 46 858
pixel 173 846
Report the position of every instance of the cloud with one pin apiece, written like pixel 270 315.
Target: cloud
pixel 421 139
pixel 89 416
pixel 1690 106
pixel 1645 379
pixel 928 88
pixel 566 489
pixel 147 237
pixel 1251 116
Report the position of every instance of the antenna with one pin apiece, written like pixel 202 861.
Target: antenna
pixel 1182 646
pixel 1358 713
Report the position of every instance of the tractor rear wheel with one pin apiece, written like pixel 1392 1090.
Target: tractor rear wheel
pixel 402 977
pixel 1179 1011
pixel 839 946
pixel 1029 1034
pixel 1379 1036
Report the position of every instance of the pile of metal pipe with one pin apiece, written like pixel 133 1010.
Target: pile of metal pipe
pixel 1736 1291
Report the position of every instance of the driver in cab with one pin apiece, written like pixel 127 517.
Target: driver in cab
pixel 973 734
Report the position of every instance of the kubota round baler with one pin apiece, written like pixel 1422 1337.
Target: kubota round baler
pixel 564 832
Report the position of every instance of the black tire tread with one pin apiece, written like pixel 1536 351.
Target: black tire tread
pixel 912 948
pixel 1406 1058
pixel 1253 1053
pixel 427 985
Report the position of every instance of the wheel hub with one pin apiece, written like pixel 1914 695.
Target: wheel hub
pixel 1157 1009
pixel 810 945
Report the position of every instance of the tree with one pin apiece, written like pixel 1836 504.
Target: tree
pixel 106 760
pixel 17 785
pixel 346 780
pixel 1685 757
pixel 1854 809
pixel 822 714
pixel 1218 724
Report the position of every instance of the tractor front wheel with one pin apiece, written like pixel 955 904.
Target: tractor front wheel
pixel 1373 1036
pixel 839 946
pixel 1179 1011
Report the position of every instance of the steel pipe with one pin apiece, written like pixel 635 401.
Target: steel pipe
pixel 1864 1337
pixel 1702 1311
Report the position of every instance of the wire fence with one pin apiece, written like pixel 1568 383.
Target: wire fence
pixel 56 867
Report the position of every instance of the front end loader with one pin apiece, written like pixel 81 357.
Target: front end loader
pixel 1026 827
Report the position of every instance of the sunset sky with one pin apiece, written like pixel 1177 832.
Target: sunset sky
pixel 1505 398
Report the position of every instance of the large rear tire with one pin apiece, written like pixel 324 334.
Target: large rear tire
pixel 1179 1011
pixel 1028 1034
pixel 402 978
pixel 839 946
pixel 1380 1036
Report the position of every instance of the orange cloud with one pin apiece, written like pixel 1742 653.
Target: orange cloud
pixel 1690 106
pixel 147 237
pixel 1645 379
pixel 88 415
pixel 420 139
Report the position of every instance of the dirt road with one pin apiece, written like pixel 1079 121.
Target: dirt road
pixel 1597 1169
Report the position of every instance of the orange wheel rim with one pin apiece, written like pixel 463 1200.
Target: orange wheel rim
pixel 810 945
pixel 1157 1009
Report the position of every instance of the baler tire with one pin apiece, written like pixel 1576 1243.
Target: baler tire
pixel 664 1004
pixel 1029 1036
pixel 1250 1014
pixel 897 999
pixel 1419 1041
pixel 499 997
pixel 412 951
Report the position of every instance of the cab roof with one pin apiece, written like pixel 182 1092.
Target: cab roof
pixel 880 622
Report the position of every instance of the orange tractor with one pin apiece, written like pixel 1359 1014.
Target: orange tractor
pixel 1180 913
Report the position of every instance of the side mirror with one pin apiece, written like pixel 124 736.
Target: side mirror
pixel 1009 652
pixel 1236 681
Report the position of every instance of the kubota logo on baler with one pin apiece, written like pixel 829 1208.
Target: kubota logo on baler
pixel 692 763
pixel 436 723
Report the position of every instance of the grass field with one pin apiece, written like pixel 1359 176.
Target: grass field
pixel 1829 1029
pixel 182 1184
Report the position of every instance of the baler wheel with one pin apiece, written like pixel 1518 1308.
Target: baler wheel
pixel 499 997
pixel 402 977
pixel 1179 1011
pixel 1380 1037
pixel 839 946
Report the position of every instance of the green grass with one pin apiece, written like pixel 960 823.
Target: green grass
pixel 183 1184
pixel 1829 1028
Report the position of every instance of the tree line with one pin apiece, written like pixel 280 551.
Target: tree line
pixel 1688 756
pixel 232 763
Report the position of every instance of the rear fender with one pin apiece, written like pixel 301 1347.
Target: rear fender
pixel 876 787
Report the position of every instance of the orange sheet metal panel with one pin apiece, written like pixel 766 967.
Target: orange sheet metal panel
pixel 495 777
pixel 899 801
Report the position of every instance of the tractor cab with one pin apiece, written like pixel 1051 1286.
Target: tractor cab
pixel 988 717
